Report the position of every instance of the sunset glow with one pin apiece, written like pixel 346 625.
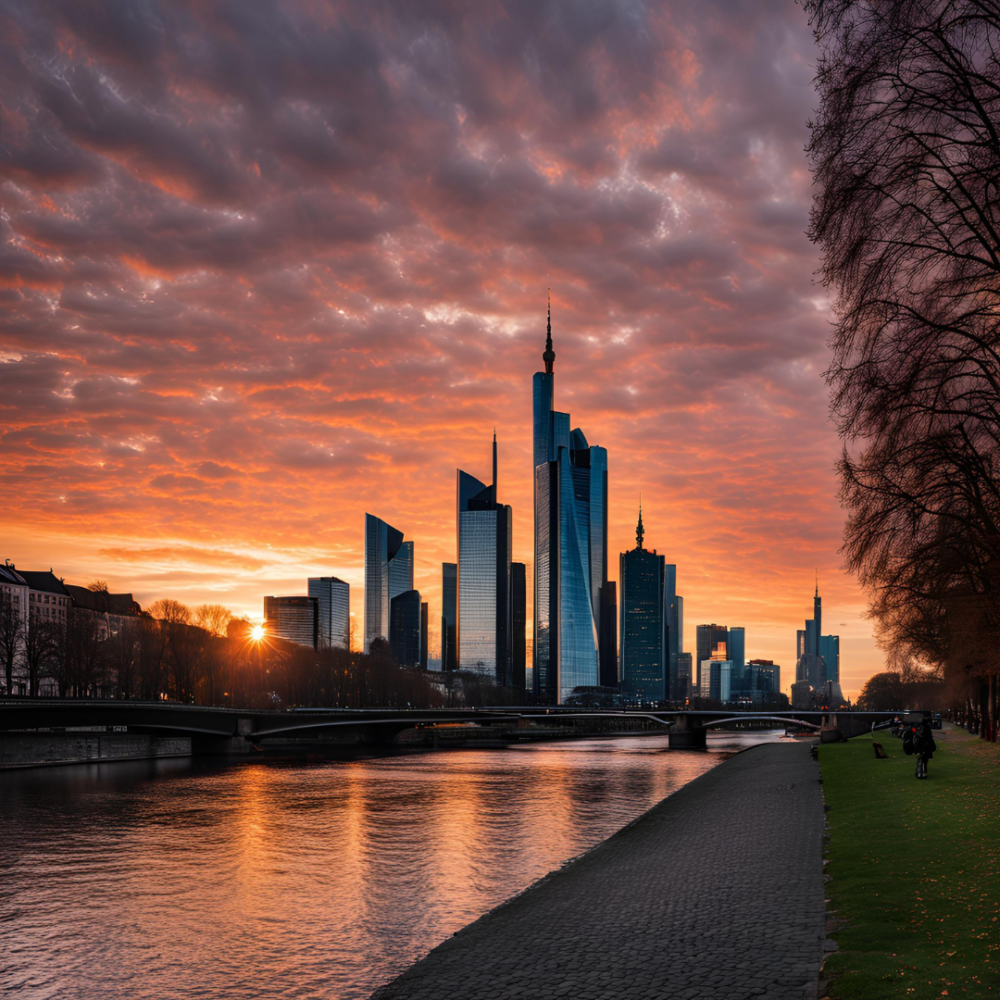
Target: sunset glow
pixel 252 291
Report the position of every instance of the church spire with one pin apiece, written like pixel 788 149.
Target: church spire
pixel 639 531
pixel 549 356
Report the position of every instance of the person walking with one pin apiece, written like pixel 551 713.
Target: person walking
pixel 924 745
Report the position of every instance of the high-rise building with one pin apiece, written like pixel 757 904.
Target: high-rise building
pixel 485 607
pixel 333 597
pixel 449 616
pixel 684 671
pixel 643 663
pixel 404 628
pixel 519 619
pixel 673 605
pixel 388 573
pixel 570 489
pixel 293 618
pixel 716 675
pixel 707 640
pixel 608 635
pixel 829 649
pixel 763 681
pixel 818 655
pixel 423 635
pixel 736 652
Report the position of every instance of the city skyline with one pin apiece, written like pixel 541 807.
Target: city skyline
pixel 216 363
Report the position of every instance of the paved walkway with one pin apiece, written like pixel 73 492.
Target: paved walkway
pixel 717 892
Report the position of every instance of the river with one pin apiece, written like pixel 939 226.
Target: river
pixel 216 880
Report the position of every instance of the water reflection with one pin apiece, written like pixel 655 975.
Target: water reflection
pixel 192 879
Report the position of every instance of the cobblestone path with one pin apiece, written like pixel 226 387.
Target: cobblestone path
pixel 717 892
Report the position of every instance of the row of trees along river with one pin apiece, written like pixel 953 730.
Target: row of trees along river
pixel 906 155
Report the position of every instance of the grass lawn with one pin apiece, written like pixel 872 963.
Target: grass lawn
pixel 915 869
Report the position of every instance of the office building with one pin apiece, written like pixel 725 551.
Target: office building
pixel 736 653
pixel 716 675
pixel 333 597
pixel 763 681
pixel 388 573
pixel 293 618
pixel 608 636
pixel 423 635
pixel 829 649
pixel 643 663
pixel 485 606
pixel 570 498
pixel 684 671
pixel 404 628
pixel 519 619
pixel 707 640
pixel 674 624
pixel 449 616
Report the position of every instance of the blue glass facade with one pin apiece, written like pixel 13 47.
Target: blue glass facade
pixel 569 515
pixel 485 605
pixel 736 650
pixel 383 581
pixel 404 628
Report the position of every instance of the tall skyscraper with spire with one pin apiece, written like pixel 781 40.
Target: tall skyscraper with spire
pixel 571 561
pixel 818 654
pixel 644 676
pixel 485 601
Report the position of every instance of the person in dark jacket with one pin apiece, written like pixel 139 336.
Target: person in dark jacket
pixel 923 745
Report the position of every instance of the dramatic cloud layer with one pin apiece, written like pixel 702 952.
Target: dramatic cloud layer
pixel 265 267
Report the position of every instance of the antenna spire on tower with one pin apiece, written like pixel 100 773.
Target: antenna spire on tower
pixel 639 531
pixel 549 356
pixel 495 465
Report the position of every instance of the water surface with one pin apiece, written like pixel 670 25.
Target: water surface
pixel 267 879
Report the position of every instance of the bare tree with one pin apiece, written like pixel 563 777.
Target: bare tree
pixel 906 154
pixel 12 634
pixel 213 618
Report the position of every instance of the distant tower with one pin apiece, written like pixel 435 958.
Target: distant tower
pixel 643 660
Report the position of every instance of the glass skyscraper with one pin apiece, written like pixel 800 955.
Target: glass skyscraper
pixel 485 605
pixel 643 636
pixel 292 618
pixel 736 648
pixel 519 619
pixel 404 628
pixel 707 641
pixel 388 573
pixel 333 598
pixel 817 655
pixel 570 545
pixel 449 616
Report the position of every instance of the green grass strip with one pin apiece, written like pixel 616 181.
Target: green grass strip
pixel 914 869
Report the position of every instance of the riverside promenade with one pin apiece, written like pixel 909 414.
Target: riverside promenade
pixel 716 892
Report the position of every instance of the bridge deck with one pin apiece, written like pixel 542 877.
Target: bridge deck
pixel 717 892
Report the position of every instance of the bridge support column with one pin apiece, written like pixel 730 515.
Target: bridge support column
pixel 687 735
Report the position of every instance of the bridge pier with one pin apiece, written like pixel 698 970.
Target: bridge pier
pixel 685 734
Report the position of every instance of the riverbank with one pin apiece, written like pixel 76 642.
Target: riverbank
pixel 913 868
pixel 716 892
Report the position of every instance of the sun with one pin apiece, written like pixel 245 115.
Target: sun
pixel 257 633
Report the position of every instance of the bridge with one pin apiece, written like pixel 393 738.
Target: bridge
pixel 212 727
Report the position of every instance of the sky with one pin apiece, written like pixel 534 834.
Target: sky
pixel 266 267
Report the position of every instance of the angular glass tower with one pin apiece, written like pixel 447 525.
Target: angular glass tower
pixel 570 545
pixel 334 598
pixel 388 573
pixel 485 604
